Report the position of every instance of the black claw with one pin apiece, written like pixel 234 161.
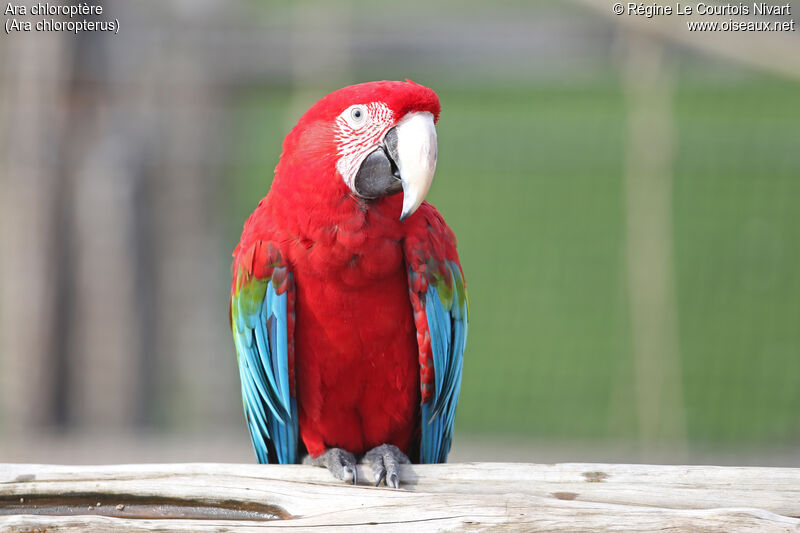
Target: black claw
pixel 381 478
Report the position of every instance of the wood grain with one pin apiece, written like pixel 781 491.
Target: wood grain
pixel 453 497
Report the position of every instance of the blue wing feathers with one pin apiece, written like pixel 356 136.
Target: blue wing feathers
pixel 256 418
pixel 280 334
pixel 447 324
pixel 436 320
pixel 261 339
pixel 261 369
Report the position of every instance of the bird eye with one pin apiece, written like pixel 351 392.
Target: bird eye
pixel 357 114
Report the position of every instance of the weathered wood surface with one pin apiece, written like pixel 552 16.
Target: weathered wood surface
pixel 454 497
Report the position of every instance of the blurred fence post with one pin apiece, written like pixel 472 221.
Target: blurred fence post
pixel 31 87
pixel 648 88
pixel 103 380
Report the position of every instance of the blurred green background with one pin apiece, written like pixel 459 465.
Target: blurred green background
pixel 624 201
pixel 530 177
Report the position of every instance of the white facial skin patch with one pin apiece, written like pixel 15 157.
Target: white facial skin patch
pixel 359 131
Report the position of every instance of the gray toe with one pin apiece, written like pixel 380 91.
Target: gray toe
pixel 340 463
pixel 384 461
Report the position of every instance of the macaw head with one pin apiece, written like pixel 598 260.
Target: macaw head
pixel 378 139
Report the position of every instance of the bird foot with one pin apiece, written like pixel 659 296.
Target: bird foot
pixel 384 461
pixel 340 463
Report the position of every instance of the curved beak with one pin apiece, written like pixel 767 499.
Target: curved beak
pixel 405 160
pixel 415 157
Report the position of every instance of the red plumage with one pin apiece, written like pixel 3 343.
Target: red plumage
pixel 359 349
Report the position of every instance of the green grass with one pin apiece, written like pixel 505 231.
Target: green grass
pixel 530 179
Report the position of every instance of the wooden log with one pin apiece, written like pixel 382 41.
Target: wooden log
pixel 453 497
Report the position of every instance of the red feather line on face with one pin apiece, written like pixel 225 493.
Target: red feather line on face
pixel 354 144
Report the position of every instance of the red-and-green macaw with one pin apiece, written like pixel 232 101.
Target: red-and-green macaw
pixel 348 306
